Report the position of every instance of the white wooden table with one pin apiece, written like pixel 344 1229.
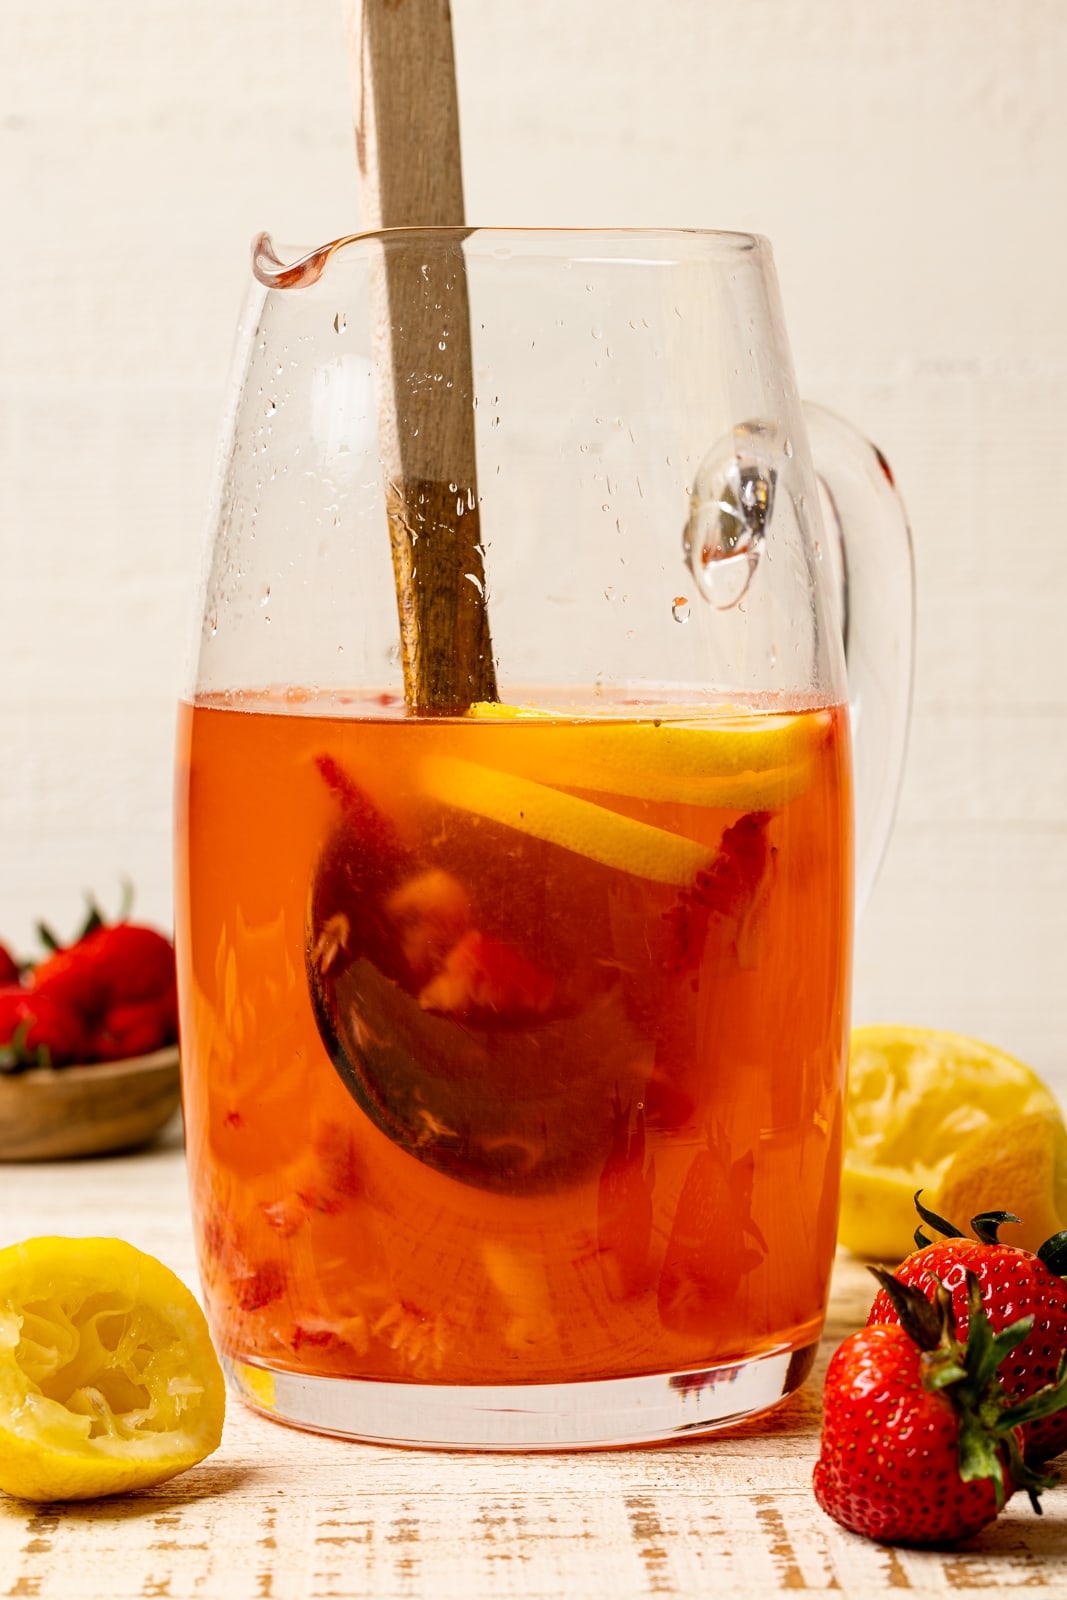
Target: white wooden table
pixel 280 1515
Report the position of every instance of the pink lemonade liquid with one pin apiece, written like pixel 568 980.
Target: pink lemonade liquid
pixel 513 1044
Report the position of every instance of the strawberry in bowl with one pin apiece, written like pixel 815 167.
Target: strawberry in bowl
pixel 108 995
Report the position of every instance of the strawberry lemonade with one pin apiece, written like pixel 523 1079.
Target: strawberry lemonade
pixel 513 1042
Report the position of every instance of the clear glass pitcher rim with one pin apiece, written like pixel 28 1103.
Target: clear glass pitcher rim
pixel 306 264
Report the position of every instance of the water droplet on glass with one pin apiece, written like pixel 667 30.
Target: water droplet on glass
pixel 609 592
pixel 340 322
pixel 731 507
pixel 680 608
pixel 442 344
pixel 787 449
pixel 265 596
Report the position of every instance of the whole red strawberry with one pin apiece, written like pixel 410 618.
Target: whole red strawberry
pixel 112 993
pixel 38 1030
pixel 919 1444
pixel 1015 1283
pixel 121 964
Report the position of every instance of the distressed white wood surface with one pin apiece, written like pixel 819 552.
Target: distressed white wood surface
pixel 282 1515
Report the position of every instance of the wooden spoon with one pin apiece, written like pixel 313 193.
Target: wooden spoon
pixel 50 1113
pixel 407 141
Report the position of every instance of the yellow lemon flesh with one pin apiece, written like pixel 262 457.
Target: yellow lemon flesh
pixel 956 1118
pixel 733 760
pixel 108 1378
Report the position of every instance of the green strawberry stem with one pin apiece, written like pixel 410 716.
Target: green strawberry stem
pixel 48 938
pixel 932 1219
pixel 17 1056
pixel 967 1375
pixel 985 1227
pixel 987 1223
pixel 94 918
pixel 1054 1254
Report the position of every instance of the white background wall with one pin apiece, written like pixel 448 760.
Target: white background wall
pixel 909 161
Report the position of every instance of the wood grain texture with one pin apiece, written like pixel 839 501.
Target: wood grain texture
pixel 89 1110
pixel 282 1515
pixel 407 142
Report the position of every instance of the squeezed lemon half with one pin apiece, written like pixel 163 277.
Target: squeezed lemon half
pixel 973 1128
pixel 108 1377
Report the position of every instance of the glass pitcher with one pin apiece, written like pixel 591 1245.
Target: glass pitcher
pixel 515 874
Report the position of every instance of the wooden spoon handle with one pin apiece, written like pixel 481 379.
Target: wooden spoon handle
pixel 407 114
pixel 407 140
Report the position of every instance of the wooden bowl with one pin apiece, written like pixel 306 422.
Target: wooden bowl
pixel 50 1113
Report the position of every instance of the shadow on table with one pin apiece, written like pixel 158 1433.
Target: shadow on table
pixel 199 1483
pixel 1027 1540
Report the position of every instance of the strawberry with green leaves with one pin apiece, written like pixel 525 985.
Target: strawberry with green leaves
pixel 920 1445
pixel 120 978
pixel 1015 1283
pixel 110 994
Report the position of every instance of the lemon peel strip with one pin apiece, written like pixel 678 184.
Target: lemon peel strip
pixel 735 762
pixel 565 820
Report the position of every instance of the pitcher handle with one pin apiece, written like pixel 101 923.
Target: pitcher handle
pixel 868 544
